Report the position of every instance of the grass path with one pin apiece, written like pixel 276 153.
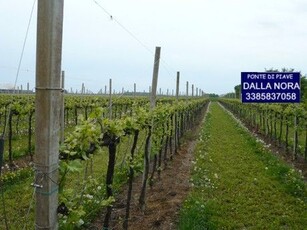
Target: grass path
pixel 238 184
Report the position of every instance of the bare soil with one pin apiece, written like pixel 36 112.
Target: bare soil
pixel 22 162
pixel 164 199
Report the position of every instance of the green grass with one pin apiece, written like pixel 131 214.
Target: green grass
pixel 291 130
pixel 237 184
pixel 20 145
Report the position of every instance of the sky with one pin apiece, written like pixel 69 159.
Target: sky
pixel 209 42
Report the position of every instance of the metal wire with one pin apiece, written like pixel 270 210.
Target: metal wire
pixel 123 27
pixel 9 108
pixel 163 62
pixel 29 209
pixel 19 63
pixel 24 45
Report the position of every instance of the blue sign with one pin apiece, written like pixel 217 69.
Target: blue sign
pixel 266 87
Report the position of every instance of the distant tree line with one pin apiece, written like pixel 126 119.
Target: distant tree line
pixel 212 95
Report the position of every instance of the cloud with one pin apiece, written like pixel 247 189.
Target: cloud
pixel 300 6
pixel 209 42
pixel 270 25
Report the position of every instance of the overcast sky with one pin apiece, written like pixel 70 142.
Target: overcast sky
pixel 209 42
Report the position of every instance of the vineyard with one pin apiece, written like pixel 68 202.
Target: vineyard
pixel 88 142
pixel 284 125
pixel 106 147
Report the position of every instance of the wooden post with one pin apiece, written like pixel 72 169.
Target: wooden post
pixel 62 107
pixel 134 90
pixel 47 112
pixel 110 98
pixel 177 85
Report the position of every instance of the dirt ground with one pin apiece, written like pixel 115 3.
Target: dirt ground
pixel 164 199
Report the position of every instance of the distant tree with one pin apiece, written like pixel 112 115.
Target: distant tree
pixel 213 95
pixel 230 95
pixel 271 70
pixel 277 70
pixel 238 91
pixel 303 81
pixel 304 88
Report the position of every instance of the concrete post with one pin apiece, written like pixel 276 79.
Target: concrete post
pixel 192 90
pixel 177 85
pixel 155 79
pixel 110 98
pixel 47 111
pixel 62 108
pixel 187 93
